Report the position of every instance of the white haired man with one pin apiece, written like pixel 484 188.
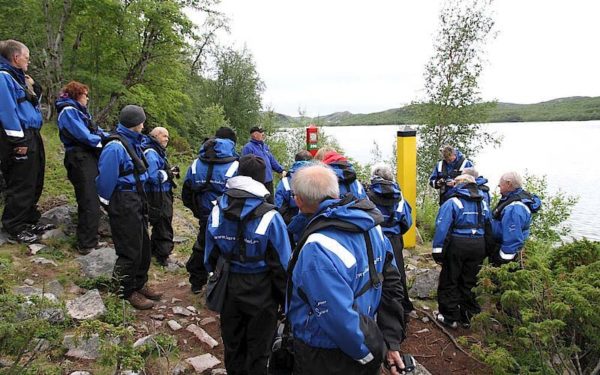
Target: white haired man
pixel 335 289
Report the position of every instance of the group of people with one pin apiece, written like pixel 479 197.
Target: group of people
pixel 468 230
pixel 319 249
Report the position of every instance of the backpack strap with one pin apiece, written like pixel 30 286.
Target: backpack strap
pixel 140 164
pixel 497 213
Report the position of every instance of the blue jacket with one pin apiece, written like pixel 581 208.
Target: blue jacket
pixel 483 188
pixel 511 225
pixel 158 165
pixel 347 179
pixel 114 162
pixel 16 117
pixel 283 193
pixel 261 234
pixel 396 211
pixel 196 198
pixel 461 216
pixel 449 171
pixel 77 121
pixel 332 268
pixel 259 148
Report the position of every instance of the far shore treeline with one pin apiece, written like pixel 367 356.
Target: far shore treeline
pixel 578 108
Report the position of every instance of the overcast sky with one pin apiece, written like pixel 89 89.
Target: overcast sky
pixel 326 56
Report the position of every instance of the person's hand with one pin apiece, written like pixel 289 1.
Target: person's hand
pixel 283 174
pixel 22 150
pixel 450 183
pixel 393 362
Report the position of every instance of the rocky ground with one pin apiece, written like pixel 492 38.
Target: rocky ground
pixel 53 271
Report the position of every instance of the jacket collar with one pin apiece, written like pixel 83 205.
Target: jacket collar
pixel 133 137
pixel 17 73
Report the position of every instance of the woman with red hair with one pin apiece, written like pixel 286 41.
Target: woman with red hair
pixel 83 142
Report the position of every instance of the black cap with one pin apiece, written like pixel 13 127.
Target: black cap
pixel 252 166
pixel 131 116
pixel 225 132
pixel 256 129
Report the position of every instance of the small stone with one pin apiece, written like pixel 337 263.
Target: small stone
pixel 218 371
pixel 208 320
pixel 28 282
pixel 192 309
pixel 53 233
pixel 174 325
pixel 162 307
pixel 180 239
pixel 75 289
pixel 424 330
pixel 175 300
pixel 43 261
pixel 426 308
pixel 202 335
pixel 182 284
pixel 80 373
pixel 425 319
pixel 41 345
pixel 178 310
pixel 35 248
pixel 56 288
pixel 203 362
pixel 142 341
pixel 413 314
pixel 180 368
pixel 82 348
pixel 157 316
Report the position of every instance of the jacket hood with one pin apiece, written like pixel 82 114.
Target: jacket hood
pixel 149 142
pixel 533 202
pixel 361 214
pixel 219 148
pixel 340 165
pixel 468 191
pixel 15 72
pixel 134 137
pixel 243 196
pixel 333 157
pixel 65 101
pixel 384 192
pixel 299 164
pixel 481 180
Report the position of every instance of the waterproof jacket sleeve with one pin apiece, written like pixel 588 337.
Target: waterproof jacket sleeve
pixel 390 314
pixel 210 246
pixel 331 299
pixel 278 254
pixel 434 176
pixel 70 120
pixel 274 164
pixel 403 216
pixel 156 172
pixel 443 222
pixel 281 194
pixel 514 219
pixel 108 170
pixel 9 118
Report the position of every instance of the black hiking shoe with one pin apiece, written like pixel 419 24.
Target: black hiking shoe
pixel 40 228
pixel 446 322
pixel 24 236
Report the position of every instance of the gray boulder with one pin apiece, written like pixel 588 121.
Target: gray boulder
pixel 88 306
pixel 99 262
pixel 82 348
pixel 61 215
pixel 425 284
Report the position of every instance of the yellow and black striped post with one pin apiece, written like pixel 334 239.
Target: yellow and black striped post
pixel 406 175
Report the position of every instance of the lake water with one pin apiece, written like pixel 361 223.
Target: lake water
pixel 566 152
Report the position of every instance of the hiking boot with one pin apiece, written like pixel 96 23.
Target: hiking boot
pixel 140 302
pixel 24 236
pixel 446 322
pixel 40 228
pixel 84 250
pixel 150 293
pixel 164 262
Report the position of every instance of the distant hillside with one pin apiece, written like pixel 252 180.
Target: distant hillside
pixel 577 108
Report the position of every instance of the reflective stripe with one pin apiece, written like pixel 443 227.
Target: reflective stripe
pixel 359 187
pixel 15 133
pixel 368 358
pixel 194 166
pixel 148 150
pixel 505 256
pixel 99 145
pixel 380 231
pixel 439 168
pixel 232 169
pixel 104 201
pixel 335 247
pixel 264 222
pixel 215 216
pixel 66 109
pixel 286 183
pixel 457 202
pixel 462 166
pixel 400 205
pixel 436 250
pixel 520 204
pixel 164 174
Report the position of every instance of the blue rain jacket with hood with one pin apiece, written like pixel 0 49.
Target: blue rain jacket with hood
pixel 346 175
pixel 464 214
pixel 16 113
pixel 260 149
pixel 75 119
pixel 264 233
pixel 449 170
pixel 511 220
pixel 115 167
pixel 197 194
pixel 332 267
pixel 284 200
pixel 396 211
pixel 158 166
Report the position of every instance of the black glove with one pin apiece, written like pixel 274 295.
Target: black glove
pixel 440 183
pixel 175 171
pixel 438 257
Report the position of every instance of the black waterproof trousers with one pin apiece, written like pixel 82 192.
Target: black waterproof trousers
pixel 309 360
pixel 82 170
pixel 24 177
pixel 248 323
pixel 463 257
pixel 271 197
pixel 129 228
pixel 398 245
pixel 195 265
pixel 161 219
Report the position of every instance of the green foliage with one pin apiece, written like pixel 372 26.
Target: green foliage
pixel 548 223
pixel 426 215
pixel 546 315
pixel 118 312
pixel 453 112
pixel 160 345
pixel 100 282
